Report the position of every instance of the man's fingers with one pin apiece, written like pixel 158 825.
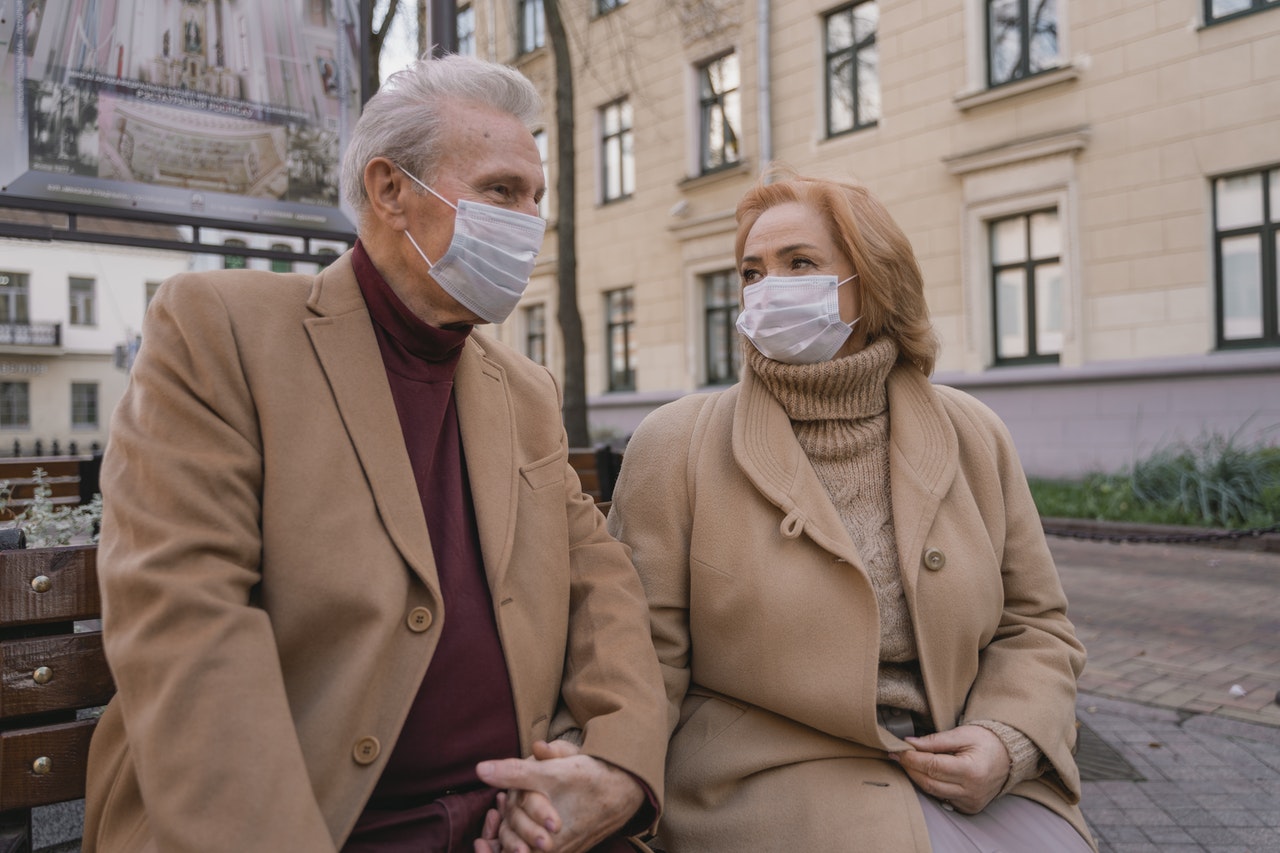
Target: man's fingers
pixel 555 749
pixel 512 773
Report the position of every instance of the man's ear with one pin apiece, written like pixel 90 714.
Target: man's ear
pixel 385 185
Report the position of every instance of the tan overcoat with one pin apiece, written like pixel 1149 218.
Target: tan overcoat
pixel 270 597
pixel 765 621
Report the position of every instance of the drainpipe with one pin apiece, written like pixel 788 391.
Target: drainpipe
pixel 764 106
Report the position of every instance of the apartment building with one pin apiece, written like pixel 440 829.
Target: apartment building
pixel 1092 188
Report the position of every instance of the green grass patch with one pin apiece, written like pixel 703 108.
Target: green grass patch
pixel 1213 482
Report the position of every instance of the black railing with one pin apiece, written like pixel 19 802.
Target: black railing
pixel 31 334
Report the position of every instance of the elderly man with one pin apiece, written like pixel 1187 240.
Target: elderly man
pixel 346 567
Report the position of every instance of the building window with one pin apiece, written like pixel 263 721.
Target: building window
pixel 604 7
pixel 617 150
pixel 620 341
pixel 535 333
pixel 544 203
pixel 15 405
pixel 724 350
pixel 84 405
pixel 281 264
pixel 326 255
pixel 533 31
pixel 466 30
pixel 721 111
pixel 234 262
pixel 80 303
pixel 1221 10
pixel 1022 39
pixel 1026 277
pixel 853 67
pixel 13 298
pixel 1246 222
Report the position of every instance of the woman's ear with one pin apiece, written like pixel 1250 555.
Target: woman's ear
pixel 385 186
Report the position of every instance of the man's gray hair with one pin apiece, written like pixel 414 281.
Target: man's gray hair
pixel 403 121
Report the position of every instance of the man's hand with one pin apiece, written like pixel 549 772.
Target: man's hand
pixel 558 800
pixel 966 766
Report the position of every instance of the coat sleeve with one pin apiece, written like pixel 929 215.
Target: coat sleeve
pixel 1027 674
pixel 652 513
pixel 200 689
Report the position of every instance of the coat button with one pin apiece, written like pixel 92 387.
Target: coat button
pixel 419 619
pixel 934 559
pixel 367 750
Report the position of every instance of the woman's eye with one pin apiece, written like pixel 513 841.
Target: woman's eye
pixel 750 275
pixel 800 263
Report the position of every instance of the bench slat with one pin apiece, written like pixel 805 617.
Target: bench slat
pixel 66 745
pixel 78 674
pixel 72 589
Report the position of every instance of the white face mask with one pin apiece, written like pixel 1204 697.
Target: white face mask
pixel 490 258
pixel 795 319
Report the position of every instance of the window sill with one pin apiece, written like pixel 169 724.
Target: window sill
pixel 1235 16
pixel 847 134
pixel 694 182
pixel 968 100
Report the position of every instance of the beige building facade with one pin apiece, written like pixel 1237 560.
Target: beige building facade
pixel 1092 188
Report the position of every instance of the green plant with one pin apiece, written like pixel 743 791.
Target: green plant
pixel 48 525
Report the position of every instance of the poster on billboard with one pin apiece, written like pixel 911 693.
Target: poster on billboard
pixel 233 112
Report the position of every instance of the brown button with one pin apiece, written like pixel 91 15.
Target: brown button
pixel 419 619
pixel 934 559
pixel 367 750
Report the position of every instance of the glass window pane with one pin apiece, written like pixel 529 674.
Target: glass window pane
pixel 624 114
pixel 839 30
pixel 1011 309
pixel 1227 7
pixel 1241 288
pixel 1239 200
pixel 613 168
pixel 1009 241
pixel 866 18
pixel 869 84
pixel 610 119
pixel 628 165
pixel 840 94
pixel 1003 27
pixel 1049 325
pixel 1046 236
pixel 732 123
pixel 1044 35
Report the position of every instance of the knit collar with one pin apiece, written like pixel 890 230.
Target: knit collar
pixel 848 388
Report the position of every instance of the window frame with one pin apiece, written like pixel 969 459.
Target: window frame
pixel 535 333
pixel 234 262
pixel 625 137
pixel 17 298
pixel 80 404
pixel 1022 70
pixel 279 264
pixel 708 101
pixel 526 42
pixel 466 43
pixel 1029 265
pixel 1255 6
pixel 719 317
pixel 620 377
pixel 1268 233
pixel 6 404
pixel 852 51
pixel 81 299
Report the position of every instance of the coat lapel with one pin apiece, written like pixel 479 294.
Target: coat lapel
pixel 923 461
pixel 485 419
pixel 343 338
pixel 765 448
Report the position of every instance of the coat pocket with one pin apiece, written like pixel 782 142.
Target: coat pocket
pixel 544 472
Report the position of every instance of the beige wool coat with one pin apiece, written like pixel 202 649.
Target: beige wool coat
pixel 765 621
pixel 270 597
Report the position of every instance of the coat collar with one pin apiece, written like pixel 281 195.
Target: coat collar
pixel 923 461
pixel 343 337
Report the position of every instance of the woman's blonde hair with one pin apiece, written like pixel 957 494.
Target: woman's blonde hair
pixel 890 285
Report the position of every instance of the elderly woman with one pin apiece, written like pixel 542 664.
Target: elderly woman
pixel 862 632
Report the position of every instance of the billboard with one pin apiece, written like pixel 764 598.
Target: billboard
pixel 228 112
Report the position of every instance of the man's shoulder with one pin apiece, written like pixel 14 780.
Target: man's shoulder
pixel 260 293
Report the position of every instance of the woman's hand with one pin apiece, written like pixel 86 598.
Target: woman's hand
pixel 966 766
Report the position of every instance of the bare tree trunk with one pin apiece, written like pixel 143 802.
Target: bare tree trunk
pixel 424 30
pixel 377 36
pixel 570 319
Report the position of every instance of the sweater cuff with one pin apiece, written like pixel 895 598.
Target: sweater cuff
pixel 1024 755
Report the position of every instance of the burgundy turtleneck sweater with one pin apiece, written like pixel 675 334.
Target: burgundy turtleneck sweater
pixel 429 798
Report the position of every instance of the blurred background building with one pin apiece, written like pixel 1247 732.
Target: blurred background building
pixel 1092 189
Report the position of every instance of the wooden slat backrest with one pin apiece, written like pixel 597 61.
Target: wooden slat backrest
pixel 48 585
pixel 584 462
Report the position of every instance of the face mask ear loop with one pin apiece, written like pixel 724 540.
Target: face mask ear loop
pixel 414 178
pixel 419 248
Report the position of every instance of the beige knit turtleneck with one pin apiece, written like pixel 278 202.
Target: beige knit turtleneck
pixel 839 411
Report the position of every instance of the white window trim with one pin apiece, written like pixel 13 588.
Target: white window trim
pixel 1020 178
pixel 976 92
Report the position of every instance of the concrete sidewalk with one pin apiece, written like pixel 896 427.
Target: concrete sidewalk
pixel 1180 738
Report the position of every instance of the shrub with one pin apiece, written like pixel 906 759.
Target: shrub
pixel 47 525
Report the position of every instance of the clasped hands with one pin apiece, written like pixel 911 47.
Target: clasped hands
pixel 558 800
pixel 966 766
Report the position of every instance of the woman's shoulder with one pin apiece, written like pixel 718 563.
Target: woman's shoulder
pixel 673 424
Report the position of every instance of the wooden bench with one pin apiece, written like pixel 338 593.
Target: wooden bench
pixel 598 469
pixel 52 671
pixel 73 480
